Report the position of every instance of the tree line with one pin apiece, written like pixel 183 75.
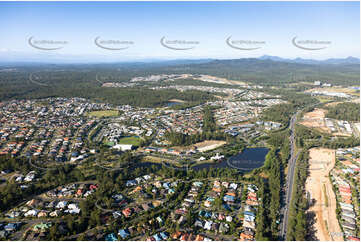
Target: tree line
pixel 344 111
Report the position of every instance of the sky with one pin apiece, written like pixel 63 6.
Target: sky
pixel 206 26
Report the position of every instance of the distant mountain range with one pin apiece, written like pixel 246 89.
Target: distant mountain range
pixel 276 70
pixel 265 70
pixel 25 60
pixel 336 61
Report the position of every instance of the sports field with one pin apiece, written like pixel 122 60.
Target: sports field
pixel 104 113
pixel 130 141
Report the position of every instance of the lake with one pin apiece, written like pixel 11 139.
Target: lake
pixel 247 160
pixel 170 104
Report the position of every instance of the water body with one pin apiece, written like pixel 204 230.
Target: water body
pixel 170 104
pixel 247 160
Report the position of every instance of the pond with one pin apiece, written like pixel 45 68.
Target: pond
pixel 249 159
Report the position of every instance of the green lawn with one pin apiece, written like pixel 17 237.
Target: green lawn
pixel 130 140
pixel 104 113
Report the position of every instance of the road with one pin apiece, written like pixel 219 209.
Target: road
pixel 290 175
pixel 289 179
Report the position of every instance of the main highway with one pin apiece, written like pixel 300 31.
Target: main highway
pixel 285 210
pixel 289 179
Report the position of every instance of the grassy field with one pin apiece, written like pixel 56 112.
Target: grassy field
pixel 325 194
pixel 324 99
pixel 130 140
pixel 104 113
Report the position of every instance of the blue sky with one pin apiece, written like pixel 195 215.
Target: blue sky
pixel 209 23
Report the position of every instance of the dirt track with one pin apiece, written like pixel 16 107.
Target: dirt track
pixel 320 189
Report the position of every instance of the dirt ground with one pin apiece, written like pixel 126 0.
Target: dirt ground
pixel 176 100
pixel 319 187
pixel 336 89
pixel 203 146
pixel 356 100
pixel 209 145
pixel 222 80
pixel 315 119
pixel 332 104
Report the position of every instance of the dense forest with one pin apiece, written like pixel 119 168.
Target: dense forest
pixel 268 72
pixel 209 131
pixel 282 112
pixel 142 97
pixel 344 111
pixel 80 79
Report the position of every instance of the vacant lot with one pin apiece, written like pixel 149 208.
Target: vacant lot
pixel 336 89
pixel 176 100
pixel 104 113
pixel 324 99
pixel 202 146
pixel 209 145
pixel 315 119
pixel 332 104
pixel 322 197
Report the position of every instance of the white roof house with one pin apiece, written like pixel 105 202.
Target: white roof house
pixel 61 204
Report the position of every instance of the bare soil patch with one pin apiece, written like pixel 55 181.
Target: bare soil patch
pixel 176 100
pixel 203 146
pixel 209 145
pixel 336 89
pixel 323 198
pixel 315 119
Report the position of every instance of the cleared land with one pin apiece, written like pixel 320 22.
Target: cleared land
pixel 104 113
pixel 356 100
pixel 176 100
pixel 202 146
pixel 332 104
pixel 315 119
pixel 336 89
pixel 209 145
pixel 324 99
pixel 322 197
pixel 220 80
